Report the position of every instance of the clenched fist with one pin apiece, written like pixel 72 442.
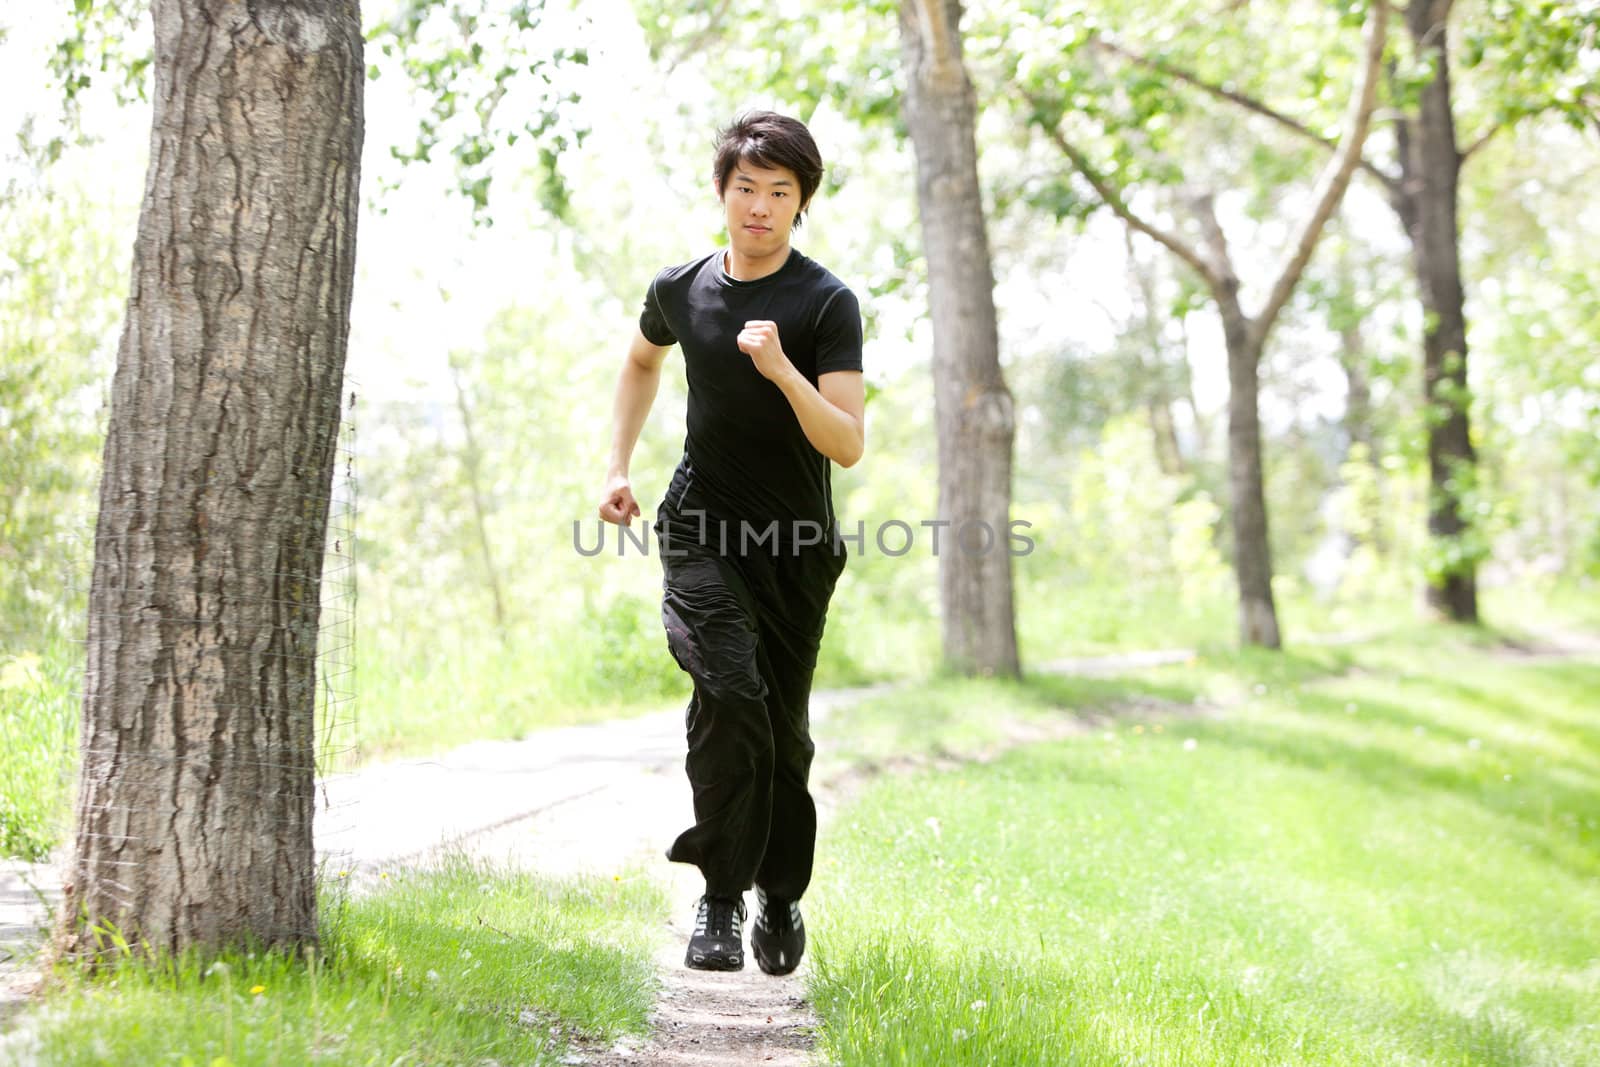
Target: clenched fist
pixel 759 341
pixel 616 503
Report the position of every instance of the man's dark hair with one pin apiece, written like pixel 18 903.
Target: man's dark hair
pixel 767 139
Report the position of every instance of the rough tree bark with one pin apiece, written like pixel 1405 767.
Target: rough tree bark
pixel 195 801
pixel 1426 200
pixel 973 407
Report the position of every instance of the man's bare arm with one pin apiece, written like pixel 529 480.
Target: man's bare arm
pixel 637 383
pixel 832 413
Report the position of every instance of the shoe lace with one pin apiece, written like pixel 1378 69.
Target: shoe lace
pixel 775 917
pixel 719 917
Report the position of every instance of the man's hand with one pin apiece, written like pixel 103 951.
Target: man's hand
pixel 759 341
pixel 617 504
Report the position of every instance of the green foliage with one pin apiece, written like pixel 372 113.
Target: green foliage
pixel 107 44
pixel 487 77
pixel 1533 343
pixel 483 75
pixel 467 963
pixel 1535 58
pixel 60 294
pixel 1126 556
pixel 1392 864
pixel 1105 76
pixel 844 56
pixel 38 727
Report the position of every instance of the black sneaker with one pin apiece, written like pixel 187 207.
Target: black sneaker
pixel 779 936
pixel 718 941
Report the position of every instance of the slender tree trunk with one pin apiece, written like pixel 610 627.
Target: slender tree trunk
pixel 1154 372
pixel 1245 340
pixel 1169 457
pixel 1202 423
pixel 1347 318
pixel 1430 174
pixel 973 407
pixel 1358 387
pixel 1252 547
pixel 195 801
pixel 479 511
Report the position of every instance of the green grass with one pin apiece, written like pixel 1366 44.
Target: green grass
pixel 1388 854
pixel 38 734
pixel 1560 604
pixel 422 702
pixel 963 717
pixel 465 964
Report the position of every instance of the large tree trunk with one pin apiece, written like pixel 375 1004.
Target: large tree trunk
pixel 973 407
pixel 195 801
pixel 1426 202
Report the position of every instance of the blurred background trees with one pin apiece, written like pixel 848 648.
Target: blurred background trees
pixel 502 257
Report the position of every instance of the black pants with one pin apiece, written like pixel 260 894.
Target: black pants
pixel 746 628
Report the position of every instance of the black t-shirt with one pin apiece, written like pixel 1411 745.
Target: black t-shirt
pixel 745 456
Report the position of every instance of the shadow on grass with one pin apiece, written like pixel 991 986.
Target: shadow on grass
pixel 1553 819
pixel 1572 709
pixel 956 717
pixel 1195 680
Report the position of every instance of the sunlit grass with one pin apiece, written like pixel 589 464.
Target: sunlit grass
pixel 1393 862
pixel 467 964
pixel 963 717
pixel 38 735
pixel 1544 605
pixel 430 700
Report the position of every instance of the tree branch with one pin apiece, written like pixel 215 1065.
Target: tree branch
pixel 1483 139
pixel 1112 199
pixel 1204 206
pixel 1248 103
pixel 708 33
pixel 937 35
pixel 1336 176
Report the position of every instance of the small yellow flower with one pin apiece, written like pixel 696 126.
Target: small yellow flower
pixel 257 990
pixel 344 874
pixel 1138 729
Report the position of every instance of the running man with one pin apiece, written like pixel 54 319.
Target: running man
pixel 746 530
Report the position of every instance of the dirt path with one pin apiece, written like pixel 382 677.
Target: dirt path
pixel 25 892
pixel 620 825
pixel 703 1018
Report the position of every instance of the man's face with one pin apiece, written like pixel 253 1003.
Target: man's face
pixel 761 204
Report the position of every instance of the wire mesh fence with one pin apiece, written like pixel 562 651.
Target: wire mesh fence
pixel 278 710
